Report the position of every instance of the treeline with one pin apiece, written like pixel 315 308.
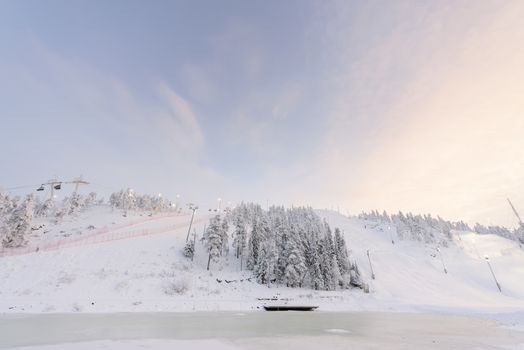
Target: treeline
pixel 434 230
pixel 128 200
pixel 516 234
pixel 16 213
pixel 292 247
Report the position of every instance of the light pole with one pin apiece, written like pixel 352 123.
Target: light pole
pixel 493 274
pixel 390 234
pixel 128 201
pixel 193 208
pixel 194 244
pixel 158 206
pixel 371 266
pixel 219 202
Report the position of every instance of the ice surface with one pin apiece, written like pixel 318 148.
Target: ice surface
pixel 254 330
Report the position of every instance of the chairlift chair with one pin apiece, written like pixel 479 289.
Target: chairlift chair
pixel 41 188
pixel 57 187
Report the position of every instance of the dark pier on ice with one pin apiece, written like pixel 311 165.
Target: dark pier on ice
pixel 290 308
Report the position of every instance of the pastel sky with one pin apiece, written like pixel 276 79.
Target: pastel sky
pixel 411 105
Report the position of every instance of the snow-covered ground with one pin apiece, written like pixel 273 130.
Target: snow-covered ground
pixel 100 263
pixel 139 266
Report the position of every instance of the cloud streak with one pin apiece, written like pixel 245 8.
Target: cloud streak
pixel 450 141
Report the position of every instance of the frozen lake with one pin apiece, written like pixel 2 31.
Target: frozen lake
pixel 254 330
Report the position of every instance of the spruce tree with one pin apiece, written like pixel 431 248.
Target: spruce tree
pixel 341 252
pixel 328 257
pixel 213 239
pixel 224 228
pixel 239 236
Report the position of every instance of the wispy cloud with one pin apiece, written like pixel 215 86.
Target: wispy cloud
pixel 186 124
pixel 445 134
pixel 93 123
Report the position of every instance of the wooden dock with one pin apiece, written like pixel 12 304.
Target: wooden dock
pixel 289 308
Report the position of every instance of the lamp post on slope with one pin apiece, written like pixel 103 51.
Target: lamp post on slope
pixel 371 266
pixel 193 208
pixel 493 274
pixel 442 260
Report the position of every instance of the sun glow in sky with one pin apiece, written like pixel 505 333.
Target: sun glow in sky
pixel 405 105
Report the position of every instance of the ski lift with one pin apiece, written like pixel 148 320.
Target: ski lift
pixel 41 188
pixel 57 187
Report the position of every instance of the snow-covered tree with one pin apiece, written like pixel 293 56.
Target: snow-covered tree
pixel 189 249
pixel 18 225
pixel 45 208
pixel 254 244
pixel 283 247
pixel 224 228
pixel 213 239
pixel 90 199
pixel 295 269
pixel 75 203
pixel 355 277
pixel 341 252
pixel 7 204
pixel 239 236
pixel 264 270
pixel 128 200
pixel 328 263
pixel 293 247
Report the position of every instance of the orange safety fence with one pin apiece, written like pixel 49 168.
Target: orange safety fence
pixel 102 235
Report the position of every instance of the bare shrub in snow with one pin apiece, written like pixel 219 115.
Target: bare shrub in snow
pixel 177 286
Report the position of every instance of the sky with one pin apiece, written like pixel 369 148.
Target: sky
pixel 352 105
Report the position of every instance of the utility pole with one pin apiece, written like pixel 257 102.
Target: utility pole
pixel 521 224
pixel 193 208
pixel 516 213
pixel 493 274
pixel 54 184
pixel 77 182
pixel 194 244
pixel 442 260
pixel 391 235
pixel 371 266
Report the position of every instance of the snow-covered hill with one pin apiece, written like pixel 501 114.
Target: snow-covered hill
pixel 99 261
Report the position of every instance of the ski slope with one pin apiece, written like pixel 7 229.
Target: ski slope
pixel 138 266
pixel 410 275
